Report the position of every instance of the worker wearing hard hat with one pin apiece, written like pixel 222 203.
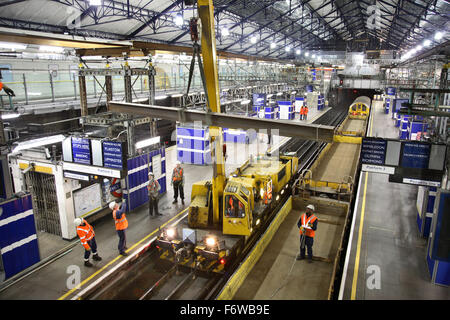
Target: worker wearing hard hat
pixel 87 237
pixel 153 194
pixel 5 88
pixel 308 226
pixel 121 222
pixel 178 182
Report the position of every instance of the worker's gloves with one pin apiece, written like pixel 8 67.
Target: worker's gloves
pixel 9 92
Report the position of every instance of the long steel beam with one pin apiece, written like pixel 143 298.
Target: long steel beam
pixel 286 128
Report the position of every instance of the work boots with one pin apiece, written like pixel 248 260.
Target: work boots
pixel 96 257
pixel 87 263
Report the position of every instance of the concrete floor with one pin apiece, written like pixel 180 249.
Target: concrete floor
pixel 390 244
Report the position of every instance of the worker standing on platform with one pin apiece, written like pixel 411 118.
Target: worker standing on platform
pixel 302 112
pixel 305 113
pixel 308 226
pixel 118 211
pixel 153 195
pixel 178 182
pixel 87 237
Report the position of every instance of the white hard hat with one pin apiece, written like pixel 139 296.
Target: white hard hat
pixel 178 162
pixel 112 205
pixel 77 222
pixel 151 174
pixel 310 206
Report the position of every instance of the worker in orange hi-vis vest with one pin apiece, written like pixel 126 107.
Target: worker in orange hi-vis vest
pixel 178 182
pixel 308 226
pixel 87 237
pixel 302 111
pixel 5 88
pixel 121 222
pixel 153 195
pixel 305 113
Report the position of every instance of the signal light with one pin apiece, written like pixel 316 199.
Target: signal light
pixel 222 261
pixel 157 247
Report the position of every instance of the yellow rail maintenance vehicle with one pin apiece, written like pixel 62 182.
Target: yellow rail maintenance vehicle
pixel 251 194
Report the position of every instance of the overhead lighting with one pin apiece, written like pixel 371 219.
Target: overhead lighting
pixel 39 142
pixel 179 20
pixel 95 2
pixel 225 32
pixel 273 45
pixel 253 39
pixel 245 102
pixel 313 56
pixel 427 43
pixel 306 54
pixel 51 49
pixel 12 46
pixel 288 49
pixel 10 116
pixel 438 35
pixel 418 48
pixel 160 97
pixel 298 51
pixel 147 142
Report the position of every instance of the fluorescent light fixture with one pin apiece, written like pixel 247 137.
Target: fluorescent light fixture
pixel 10 116
pixel 273 45
pixel 427 43
pixel 244 102
pixel 51 49
pixel 313 56
pixel 269 95
pixel 39 142
pixel 179 20
pixel 438 35
pixel 225 32
pixel 160 97
pixel 418 48
pixel 298 51
pixel 95 2
pixel 253 39
pixel 13 46
pixel 176 95
pixel 306 54
pixel 147 142
pixel 279 93
pixel 288 49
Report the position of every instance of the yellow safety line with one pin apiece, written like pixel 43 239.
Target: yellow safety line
pixel 119 256
pixel 361 225
pixel 358 248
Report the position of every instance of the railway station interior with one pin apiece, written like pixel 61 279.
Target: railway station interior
pixel 224 150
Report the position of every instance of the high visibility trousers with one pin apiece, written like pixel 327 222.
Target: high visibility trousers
pixel 122 240
pixel 93 245
pixel 308 245
pixel 178 187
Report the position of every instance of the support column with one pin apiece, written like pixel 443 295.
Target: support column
pixel 109 92
pixel 83 96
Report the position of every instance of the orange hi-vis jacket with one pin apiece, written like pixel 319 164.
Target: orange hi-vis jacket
pixel 305 220
pixel 305 110
pixel 1 86
pixel 85 233
pixel 122 223
pixel 177 174
pixel 302 110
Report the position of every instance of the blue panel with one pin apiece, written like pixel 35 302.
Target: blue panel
pixel 113 154
pixel 441 242
pixel 443 274
pixel 81 150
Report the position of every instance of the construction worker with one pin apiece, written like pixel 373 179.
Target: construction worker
pixel 308 226
pixel 153 195
pixel 305 113
pixel 302 112
pixel 121 222
pixel 178 182
pixel 87 237
pixel 5 88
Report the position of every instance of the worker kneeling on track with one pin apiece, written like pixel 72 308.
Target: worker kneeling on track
pixel 308 226
pixel 87 237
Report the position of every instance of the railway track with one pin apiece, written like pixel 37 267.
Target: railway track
pixel 150 278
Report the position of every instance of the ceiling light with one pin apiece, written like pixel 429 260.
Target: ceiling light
pixel 12 46
pixel 288 49
pixel 51 49
pixel 225 32
pixel 298 51
pixel 313 56
pixel 273 45
pixel 253 39
pixel 418 48
pixel 179 20
pixel 38 142
pixel 438 35
pixel 95 2
pixel 427 43
pixel 306 54
pixel 147 142
pixel 10 116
